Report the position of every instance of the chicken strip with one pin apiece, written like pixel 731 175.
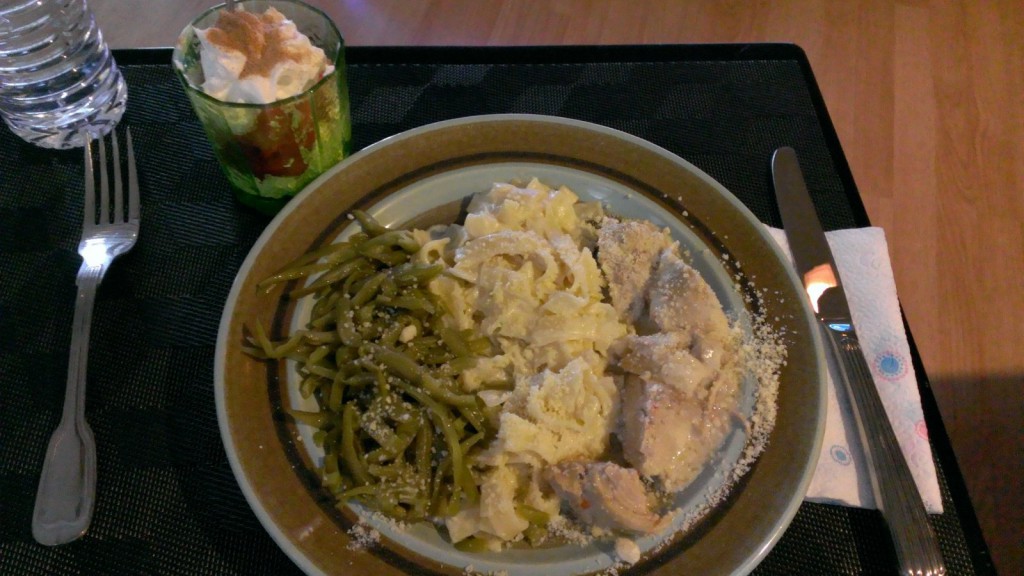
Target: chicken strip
pixel 665 437
pixel 628 252
pixel 605 495
pixel 666 357
pixel 681 300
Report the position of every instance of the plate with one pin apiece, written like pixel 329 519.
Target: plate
pixel 422 177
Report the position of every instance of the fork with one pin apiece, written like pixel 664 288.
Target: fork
pixel 67 487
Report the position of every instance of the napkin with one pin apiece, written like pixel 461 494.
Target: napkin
pixel 841 477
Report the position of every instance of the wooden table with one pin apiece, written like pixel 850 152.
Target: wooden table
pixel 926 99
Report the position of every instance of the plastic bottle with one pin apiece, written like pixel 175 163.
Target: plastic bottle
pixel 58 80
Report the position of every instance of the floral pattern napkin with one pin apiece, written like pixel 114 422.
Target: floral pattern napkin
pixel 862 256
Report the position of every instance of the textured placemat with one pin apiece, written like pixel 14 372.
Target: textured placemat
pixel 167 502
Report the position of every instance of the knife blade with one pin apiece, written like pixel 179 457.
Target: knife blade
pixel 896 495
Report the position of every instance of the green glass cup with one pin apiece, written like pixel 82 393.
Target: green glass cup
pixel 269 152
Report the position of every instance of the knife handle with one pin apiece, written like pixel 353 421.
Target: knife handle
pixel 896 495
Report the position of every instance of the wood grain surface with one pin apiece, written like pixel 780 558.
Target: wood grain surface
pixel 927 99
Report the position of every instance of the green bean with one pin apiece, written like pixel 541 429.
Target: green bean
pixel 355 493
pixel 368 223
pixel 319 338
pixel 390 472
pixel 308 265
pixel 366 364
pixel 318 354
pixel 352 280
pixel 314 419
pixel 535 535
pixel 334 275
pixel 350 448
pixel 461 364
pixel 447 463
pixel 360 380
pixel 454 341
pixel 390 442
pixel 418 511
pixel 378 455
pixel 345 354
pixel 441 495
pixel 330 463
pixel 442 419
pixel 321 371
pixel 460 426
pixel 414 273
pixel 425 345
pixel 403 366
pixel 268 347
pixel 326 304
pixel 407 416
pixel 424 444
pixel 308 385
pixel 318 437
pixel 358 238
pixel 387 502
pixel 254 352
pixel 480 346
pixel 364 318
pixel 408 302
pixel 389 287
pixel 318 321
pixel 343 324
pixel 433 356
pixel 267 285
pixel 337 395
pixel 369 289
pixel 474 416
pixel 380 362
pixel 398 363
pixel 333 481
pixel 401 239
pixel 473 544
pixel 532 515
pixel 331 253
pixel 390 335
pixel 330 440
pixel 471 441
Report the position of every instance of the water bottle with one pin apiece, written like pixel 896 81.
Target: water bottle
pixel 58 80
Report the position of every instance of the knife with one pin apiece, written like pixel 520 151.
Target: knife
pixel 895 493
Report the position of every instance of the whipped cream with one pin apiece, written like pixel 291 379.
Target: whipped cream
pixel 258 58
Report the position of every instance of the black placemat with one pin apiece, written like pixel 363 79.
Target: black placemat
pixel 167 502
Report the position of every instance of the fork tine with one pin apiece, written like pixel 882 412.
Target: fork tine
pixel 104 185
pixel 89 212
pixel 118 195
pixel 133 182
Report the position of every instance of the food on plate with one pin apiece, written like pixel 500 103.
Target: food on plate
pixel 562 371
pixel 605 495
pixel 381 363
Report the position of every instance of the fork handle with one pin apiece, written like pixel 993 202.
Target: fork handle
pixel 896 495
pixel 88 281
pixel 67 487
